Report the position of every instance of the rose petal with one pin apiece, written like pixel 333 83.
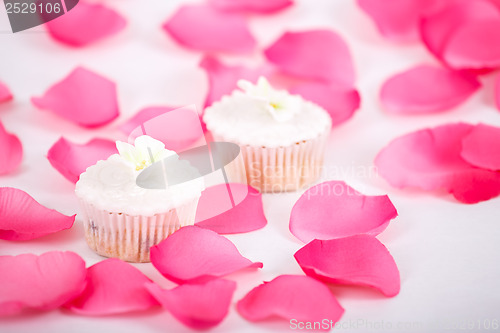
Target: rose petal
pixel 247 214
pixel 194 254
pixel 291 297
pixel 83 97
pixel 252 6
pixel 356 260
pixel 23 218
pixel 203 28
pixel 333 209
pixel 426 89
pixel 143 116
pixel 71 159
pixel 85 24
pixel 5 94
pixel 113 286
pixel 497 92
pixel 198 306
pixel 430 159
pixel 314 54
pixel 481 147
pixel 11 151
pixel 42 282
pixel 339 102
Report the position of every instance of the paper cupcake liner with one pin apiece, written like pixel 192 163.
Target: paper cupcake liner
pixel 127 237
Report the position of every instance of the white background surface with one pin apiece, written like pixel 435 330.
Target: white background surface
pixel 448 253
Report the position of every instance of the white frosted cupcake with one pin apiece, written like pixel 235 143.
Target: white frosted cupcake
pixel 282 136
pixel 123 220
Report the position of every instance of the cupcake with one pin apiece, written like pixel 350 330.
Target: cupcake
pixel 282 136
pixel 122 217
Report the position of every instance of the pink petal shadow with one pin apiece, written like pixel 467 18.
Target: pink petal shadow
pixel 333 209
pixel 71 159
pixel 42 282
pixel 427 89
pixel 196 255
pixel 481 147
pixel 198 306
pixel 11 151
pixel 204 28
pixel 314 54
pixel 23 218
pixel 429 159
pixel 113 286
pixel 357 260
pixel 251 6
pixel 290 297
pixel 83 97
pixel 85 24
pixel 5 94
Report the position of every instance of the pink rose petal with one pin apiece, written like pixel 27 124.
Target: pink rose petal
pixel 71 159
pixel 198 306
pixel 430 159
pixel 83 97
pixel 5 94
pixel 481 147
pixel 203 28
pixel 85 24
pixel 252 6
pixel 194 254
pixel 497 92
pixel 426 89
pixel 357 260
pixel 11 151
pixel 291 297
pixel 23 218
pixel 247 215
pixel 339 102
pixel 143 116
pixel 314 54
pixel 42 282
pixel 113 286
pixel 334 210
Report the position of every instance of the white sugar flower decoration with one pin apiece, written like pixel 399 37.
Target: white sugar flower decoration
pixel 279 103
pixel 144 152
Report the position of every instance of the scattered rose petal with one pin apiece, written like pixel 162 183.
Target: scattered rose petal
pixel 143 116
pixel 252 6
pixel 204 28
pixel 194 254
pixel 356 260
pixel 246 216
pixel 42 282
pixel 339 102
pixel 71 159
pixel 333 209
pixel 83 97
pixel 425 89
pixel 497 92
pixel 291 297
pixel 113 286
pixel 430 159
pixel 198 306
pixel 23 218
pixel 314 54
pixel 11 151
pixel 85 24
pixel 5 94
pixel 481 147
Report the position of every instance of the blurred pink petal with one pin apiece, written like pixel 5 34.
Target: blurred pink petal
pixel 314 54
pixel 339 102
pixel 291 297
pixel 85 24
pixel 71 159
pixel 357 260
pixel 497 92
pixel 11 151
pixel 247 215
pixel 194 254
pixel 252 6
pixel 198 306
pixel 333 209
pixel 481 147
pixel 430 159
pixel 5 94
pixel 204 28
pixel 23 218
pixel 427 89
pixel 42 282
pixel 143 116
pixel 83 97
pixel 113 286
